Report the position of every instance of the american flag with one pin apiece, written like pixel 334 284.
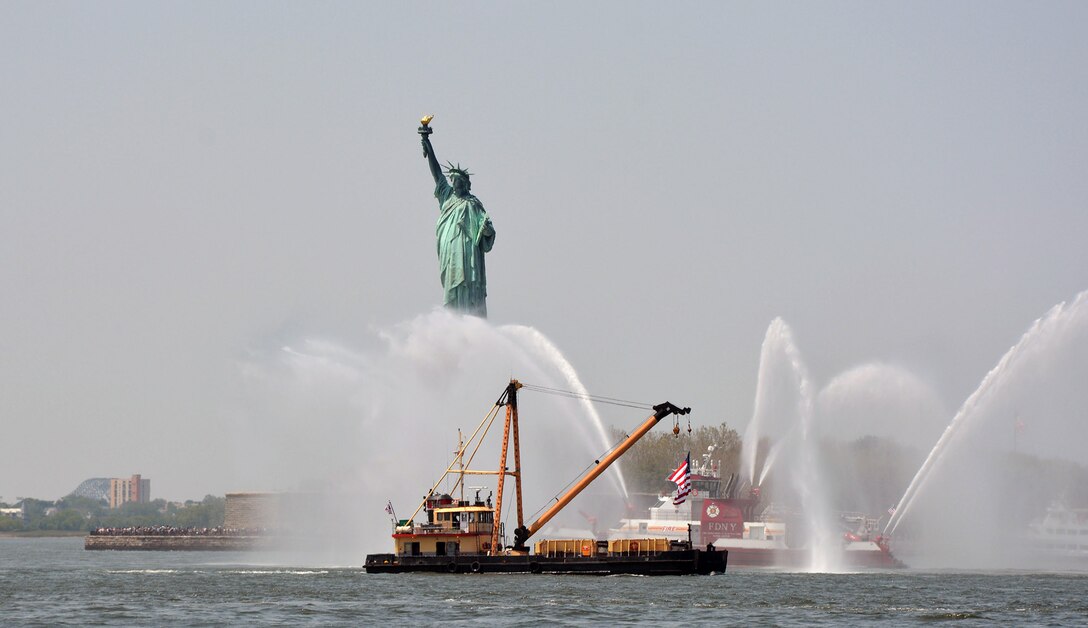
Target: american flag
pixel 682 478
pixel 389 508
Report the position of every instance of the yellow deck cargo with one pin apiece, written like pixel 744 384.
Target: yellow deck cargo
pixel 637 546
pixel 566 547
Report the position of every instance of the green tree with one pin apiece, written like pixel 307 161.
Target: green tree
pixel 203 514
pixel 34 509
pixel 63 520
pixel 649 462
pixel 74 513
pixel 206 514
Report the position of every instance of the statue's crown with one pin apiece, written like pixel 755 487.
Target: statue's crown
pixel 456 170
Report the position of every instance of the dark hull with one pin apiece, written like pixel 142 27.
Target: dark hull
pixel 670 563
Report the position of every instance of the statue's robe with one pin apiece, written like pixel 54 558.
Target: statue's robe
pixel 464 234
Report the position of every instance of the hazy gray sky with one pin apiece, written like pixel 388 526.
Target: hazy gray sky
pixel 184 184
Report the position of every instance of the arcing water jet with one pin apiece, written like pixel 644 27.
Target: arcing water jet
pixel 321 418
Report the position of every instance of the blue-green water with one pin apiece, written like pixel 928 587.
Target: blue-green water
pixel 51 582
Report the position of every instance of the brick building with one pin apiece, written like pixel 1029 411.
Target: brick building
pixel 134 489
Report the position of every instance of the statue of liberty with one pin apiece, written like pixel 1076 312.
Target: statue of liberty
pixel 464 234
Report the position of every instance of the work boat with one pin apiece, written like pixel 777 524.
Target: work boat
pixel 466 536
pixel 719 513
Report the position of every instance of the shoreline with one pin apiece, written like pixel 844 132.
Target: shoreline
pixel 189 543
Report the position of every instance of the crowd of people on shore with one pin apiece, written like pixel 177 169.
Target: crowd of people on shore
pixel 176 531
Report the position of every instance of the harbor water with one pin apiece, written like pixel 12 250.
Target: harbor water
pixel 53 581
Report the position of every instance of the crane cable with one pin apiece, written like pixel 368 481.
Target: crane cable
pixel 588 397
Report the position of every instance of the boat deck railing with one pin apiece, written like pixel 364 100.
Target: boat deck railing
pixel 658 515
pixel 472 528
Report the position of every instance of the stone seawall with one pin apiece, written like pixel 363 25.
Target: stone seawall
pixel 177 543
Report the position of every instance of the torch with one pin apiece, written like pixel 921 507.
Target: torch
pixel 425 132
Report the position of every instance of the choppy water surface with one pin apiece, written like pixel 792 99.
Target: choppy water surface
pixel 55 582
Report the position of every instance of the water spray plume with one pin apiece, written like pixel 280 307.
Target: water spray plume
pixel 545 347
pixel 1016 373
pixel 775 380
pixel 372 425
pixel 784 413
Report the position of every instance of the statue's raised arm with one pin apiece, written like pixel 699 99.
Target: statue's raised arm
pixel 464 232
pixel 428 150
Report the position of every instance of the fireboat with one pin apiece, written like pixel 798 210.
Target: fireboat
pixel 460 536
pixel 732 517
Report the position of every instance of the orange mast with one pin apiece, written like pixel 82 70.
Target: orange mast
pixel 510 398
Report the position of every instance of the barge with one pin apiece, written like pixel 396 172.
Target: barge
pixel 460 536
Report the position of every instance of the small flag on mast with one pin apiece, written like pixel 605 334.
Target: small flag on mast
pixel 389 508
pixel 682 478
